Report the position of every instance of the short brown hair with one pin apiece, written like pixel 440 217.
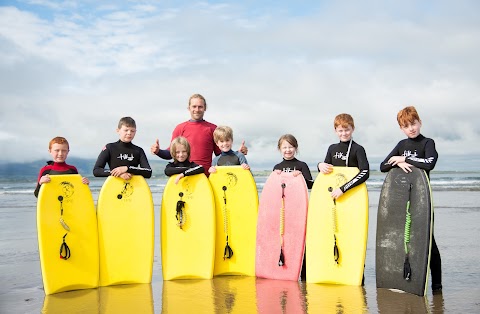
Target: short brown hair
pixel 199 97
pixel 128 122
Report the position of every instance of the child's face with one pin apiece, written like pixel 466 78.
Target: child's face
pixel 59 152
pixel 225 145
pixel 287 150
pixel 126 133
pixel 412 130
pixel 196 108
pixel 181 153
pixel 344 133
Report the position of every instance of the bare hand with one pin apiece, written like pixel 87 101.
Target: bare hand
pixel 85 180
pixel 212 169
pixel 395 160
pixel 336 193
pixel 405 166
pixel 177 179
pixel 45 179
pixel 155 148
pixel 117 172
pixel 126 176
pixel 296 173
pixel 325 168
pixel 245 166
pixel 277 171
pixel 243 149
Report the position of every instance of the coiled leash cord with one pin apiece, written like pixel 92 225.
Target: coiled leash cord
pixel 336 251
pixel 64 249
pixel 180 215
pixel 227 252
pixel 281 260
pixel 407 270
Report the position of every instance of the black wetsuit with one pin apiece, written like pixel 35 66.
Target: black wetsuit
pixel 122 154
pixel 54 168
pixel 421 153
pixel 295 164
pixel 337 155
pixel 187 167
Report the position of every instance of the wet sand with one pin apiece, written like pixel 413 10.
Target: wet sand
pixel 457 230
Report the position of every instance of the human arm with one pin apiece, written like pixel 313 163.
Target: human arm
pixel 361 177
pixel 243 149
pixel 428 162
pixel 162 153
pixel 102 160
pixel 44 177
pixel 307 175
pixel 388 163
pixel 143 167
pixel 326 166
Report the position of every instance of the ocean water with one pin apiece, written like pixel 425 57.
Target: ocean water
pixel 457 232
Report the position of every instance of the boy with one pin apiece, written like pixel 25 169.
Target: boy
pixel 223 137
pixel 58 149
pixel 346 153
pixel 419 151
pixel 199 134
pixel 181 165
pixel 123 157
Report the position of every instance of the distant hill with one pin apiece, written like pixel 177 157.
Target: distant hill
pixel 84 166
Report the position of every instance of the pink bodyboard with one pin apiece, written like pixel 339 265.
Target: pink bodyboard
pixel 269 240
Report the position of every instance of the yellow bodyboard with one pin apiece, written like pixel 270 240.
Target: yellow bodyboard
pixel 66 212
pixel 188 235
pixel 236 208
pixel 125 231
pixel 343 223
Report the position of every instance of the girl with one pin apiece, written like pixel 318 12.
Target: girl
pixel 287 145
pixel 181 165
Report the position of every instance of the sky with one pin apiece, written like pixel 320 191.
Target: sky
pixel 266 68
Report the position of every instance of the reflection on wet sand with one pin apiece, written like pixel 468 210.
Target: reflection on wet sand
pixel 78 301
pixel 322 298
pixel 134 298
pixel 279 296
pixel 396 301
pixel 234 294
pixel 187 296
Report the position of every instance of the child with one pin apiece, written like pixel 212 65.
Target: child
pixel 223 137
pixel 419 151
pixel 288 146
pixel 346 153
pixel 58 149
pixel 123 157
pixel 181 165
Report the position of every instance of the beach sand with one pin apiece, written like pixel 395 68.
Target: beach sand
pixel 457 230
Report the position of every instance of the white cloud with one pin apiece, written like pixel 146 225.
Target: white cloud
pixel 75 68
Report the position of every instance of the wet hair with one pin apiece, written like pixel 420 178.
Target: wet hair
pixel 58 140
pixel 290 140
pixel 223 133
pixel 199 97
pixel 180 140
pixel 407 116
pixel 344 120
pixel 127 121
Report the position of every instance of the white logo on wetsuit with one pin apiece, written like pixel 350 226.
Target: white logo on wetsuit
pixel 339 155
pixel 408 153
pixel 289 169
pixel 125 157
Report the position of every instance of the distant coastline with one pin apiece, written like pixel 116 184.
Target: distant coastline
pixel 460 163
